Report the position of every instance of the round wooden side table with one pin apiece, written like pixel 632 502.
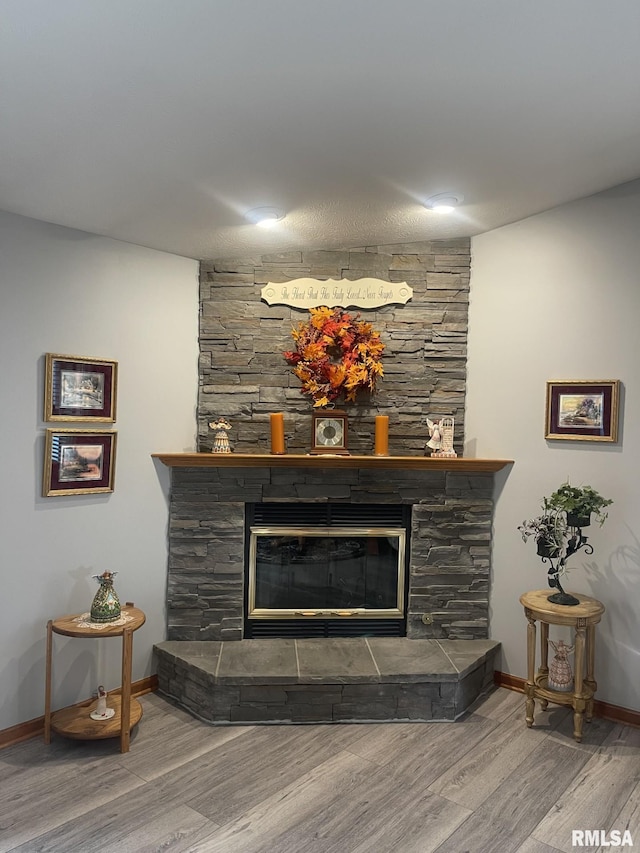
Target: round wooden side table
pixel 75 721
pixel 583 618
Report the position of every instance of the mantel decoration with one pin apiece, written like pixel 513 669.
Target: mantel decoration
pixel 558 531
pixel 277 432
pixel 441 438
pixel 221 428
pixel 329 432
pixel 336 356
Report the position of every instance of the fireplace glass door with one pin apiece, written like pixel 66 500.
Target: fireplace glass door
pixel 326 573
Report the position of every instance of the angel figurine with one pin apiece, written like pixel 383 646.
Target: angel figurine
pixel 435 436
pixel 441 437
pixel 102 712
pixel 560 675
pixel 220 439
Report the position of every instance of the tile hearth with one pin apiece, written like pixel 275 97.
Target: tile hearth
pixel 357 679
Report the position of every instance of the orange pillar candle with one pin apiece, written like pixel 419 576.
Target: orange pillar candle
pixel 382 435
pixel 277 432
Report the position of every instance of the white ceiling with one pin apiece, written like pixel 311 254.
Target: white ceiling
pixel 161 122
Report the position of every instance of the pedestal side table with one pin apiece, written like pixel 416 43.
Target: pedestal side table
pixel 583 618
pixel 75 721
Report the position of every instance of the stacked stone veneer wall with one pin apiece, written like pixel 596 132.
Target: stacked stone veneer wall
pixel 449 555
pixel 244 377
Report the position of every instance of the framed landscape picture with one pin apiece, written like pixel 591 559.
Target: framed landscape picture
pixel 79 388
pixel 78 462
pixel 583 410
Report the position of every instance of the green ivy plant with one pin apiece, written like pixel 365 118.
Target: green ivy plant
pixel 582 502
pixel 558 533
pixel 549 528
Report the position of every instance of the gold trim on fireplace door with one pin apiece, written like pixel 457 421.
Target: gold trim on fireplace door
pixel 330 613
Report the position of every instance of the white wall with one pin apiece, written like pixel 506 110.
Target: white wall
pixel 69 292
pixel 557 296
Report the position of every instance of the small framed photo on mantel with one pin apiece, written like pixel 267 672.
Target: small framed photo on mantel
pixel 79 388
pixel 583 410
pixel 78 462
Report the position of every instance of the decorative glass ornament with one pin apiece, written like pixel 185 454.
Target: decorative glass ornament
pixel 105 606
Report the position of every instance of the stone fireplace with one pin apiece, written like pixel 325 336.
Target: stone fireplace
pixel 433 673
pixel 440 658
pixel 448 556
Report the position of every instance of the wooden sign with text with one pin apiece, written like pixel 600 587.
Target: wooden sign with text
pixel 362 293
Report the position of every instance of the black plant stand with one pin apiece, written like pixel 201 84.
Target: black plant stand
pixel 557 563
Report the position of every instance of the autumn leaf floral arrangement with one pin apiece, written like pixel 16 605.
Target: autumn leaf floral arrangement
pixel 336 356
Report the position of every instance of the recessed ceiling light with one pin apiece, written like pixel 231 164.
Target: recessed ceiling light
pixel 265 217
pixel 444 202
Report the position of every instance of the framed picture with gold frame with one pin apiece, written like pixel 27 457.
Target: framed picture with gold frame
pixel 79 388
pixel 582 410
pixel 78 462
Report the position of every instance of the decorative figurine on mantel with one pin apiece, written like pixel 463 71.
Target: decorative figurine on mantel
pixel 105 606
pixel 435 438
pixel 441 438
pixel 221 438
pixel 102 712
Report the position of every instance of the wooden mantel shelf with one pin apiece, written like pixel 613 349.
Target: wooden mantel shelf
pixel 460 464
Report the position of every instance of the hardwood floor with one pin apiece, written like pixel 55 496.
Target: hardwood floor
pixel 483 784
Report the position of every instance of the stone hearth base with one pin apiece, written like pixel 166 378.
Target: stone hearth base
pixel 339 680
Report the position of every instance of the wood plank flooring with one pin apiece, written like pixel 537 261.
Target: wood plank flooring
pixel 485 783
